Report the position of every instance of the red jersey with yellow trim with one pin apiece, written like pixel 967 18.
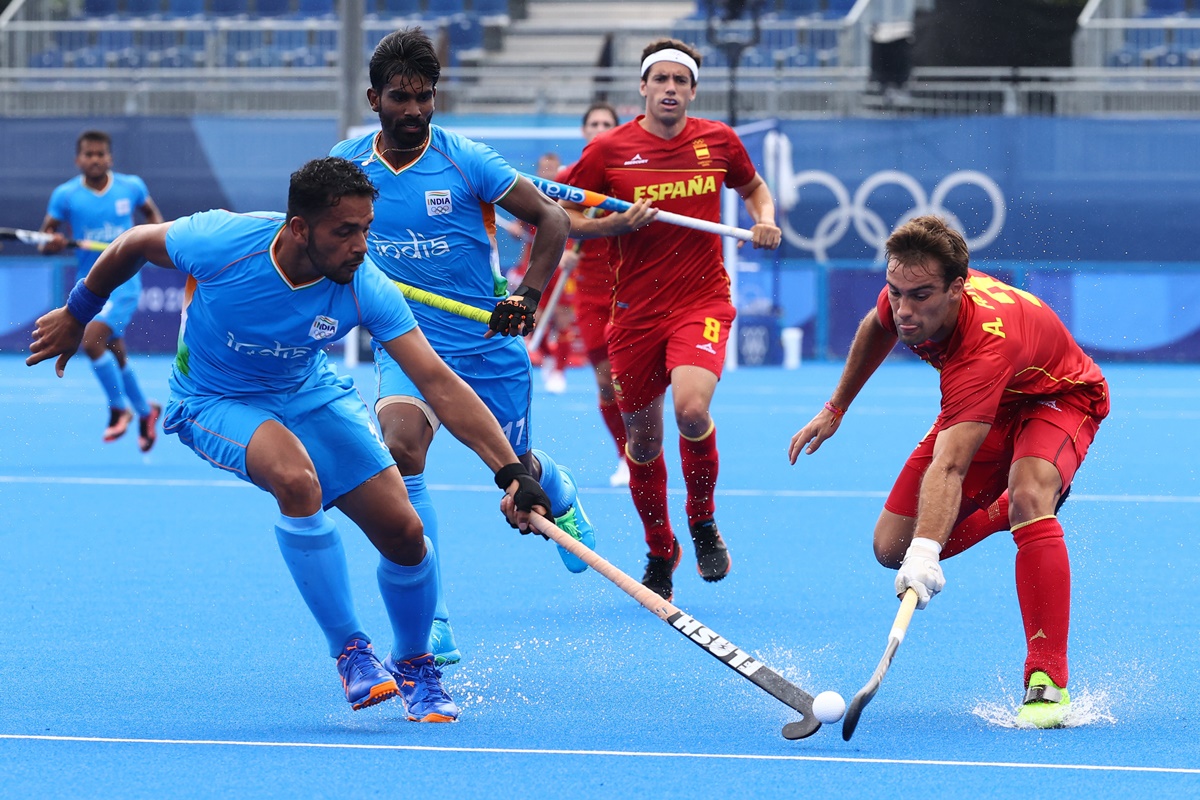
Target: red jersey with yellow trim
pixel 664 269
pixel 1008 347
pixel 594 272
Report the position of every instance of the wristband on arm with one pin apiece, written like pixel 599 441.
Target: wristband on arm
pixel 84 304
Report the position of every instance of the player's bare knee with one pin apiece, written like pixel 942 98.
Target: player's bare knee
pixel 403 542
pixel 889 553
pixel 1031 500
pixel 296 488
pixel 409 457
pixel 692 420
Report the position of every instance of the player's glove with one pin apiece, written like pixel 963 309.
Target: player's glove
pixel 529 492
pixel 514 316
pixel 921 571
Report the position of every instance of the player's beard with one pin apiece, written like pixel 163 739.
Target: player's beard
pixel 408 140
pixel 342 273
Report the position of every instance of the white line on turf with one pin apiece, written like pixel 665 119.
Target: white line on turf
pixel 622 753
pixel 480 487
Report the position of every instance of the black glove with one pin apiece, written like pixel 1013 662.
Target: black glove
pixel 529 492
pixel 514 316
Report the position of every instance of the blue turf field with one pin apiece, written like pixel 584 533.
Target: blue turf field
pixel 157 648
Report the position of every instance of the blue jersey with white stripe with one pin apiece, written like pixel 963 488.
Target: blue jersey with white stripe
pixel 99 215
pixel 246 327
pixel 435 228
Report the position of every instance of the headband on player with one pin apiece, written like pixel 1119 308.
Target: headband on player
pixel 671 54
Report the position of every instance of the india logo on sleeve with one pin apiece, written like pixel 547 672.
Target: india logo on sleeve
pixel 323 327
pixel 438 202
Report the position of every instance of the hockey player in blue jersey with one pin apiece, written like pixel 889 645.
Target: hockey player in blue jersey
pixel 252 393
pixel 435 229
pixel 99 205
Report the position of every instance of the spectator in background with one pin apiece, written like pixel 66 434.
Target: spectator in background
pixel 99 204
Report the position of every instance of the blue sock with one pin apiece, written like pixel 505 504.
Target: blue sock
pixel 418 495
pixel 561 494
pixel 134 392
pixel 409 595
pixel 109 375
pixel 313 553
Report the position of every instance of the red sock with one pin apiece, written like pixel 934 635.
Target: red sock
pixel 977 527
pixel 648 485
pixel 700 466
pixel 614 422
pixel 1044 591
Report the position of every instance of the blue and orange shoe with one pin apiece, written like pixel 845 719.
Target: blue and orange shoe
pixel 421 689
pixel 576 524
pixel 365 680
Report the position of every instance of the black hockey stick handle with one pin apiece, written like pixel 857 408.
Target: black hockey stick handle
pixel 904 616
pixel 702 636
pixel 38 238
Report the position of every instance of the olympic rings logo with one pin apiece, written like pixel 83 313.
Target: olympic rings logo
pixel 871 227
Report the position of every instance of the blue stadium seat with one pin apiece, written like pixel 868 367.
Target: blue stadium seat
pixel 86 58
pixel 51 58
pixel 245 48
pixel 1145 38
pixel 229 8
pixel 144 8
pixel 799 8
pixel 315 8
pixel 285 41
pixel 836 9
pixel 272 8
pixel 99 8
pixel 185 8
pixel 69 41
pixel 442 9
pixel 1165 8
pixel 465 34
pixel 399 8
pixel 489 7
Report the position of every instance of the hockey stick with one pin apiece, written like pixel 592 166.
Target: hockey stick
pixel 708 640
pixel 903 617
pixel 40 238
pixel 539 332
pixel 428 298
pixel 584 197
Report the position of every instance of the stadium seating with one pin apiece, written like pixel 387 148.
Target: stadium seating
pixel 229 8
pixel 398 8
pixel 185 8
pixel 482 8
pixel 144 8
pixel 99 8
pixel 272 8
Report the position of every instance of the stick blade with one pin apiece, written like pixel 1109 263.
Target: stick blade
pixel 855 709
pixel 802 729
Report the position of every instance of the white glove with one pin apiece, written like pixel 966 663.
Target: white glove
pixel 921 571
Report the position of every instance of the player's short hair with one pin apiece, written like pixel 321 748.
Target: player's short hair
pixel 407 52
pixel 930 237
pixel 92 136
pixel 321 184
pixel 670 44
pixel 601 106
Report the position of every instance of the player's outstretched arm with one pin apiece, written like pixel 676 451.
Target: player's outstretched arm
pixel 756 196
pixel 465 416
pixel 871 345
pixel 59 332
pixel 637 216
